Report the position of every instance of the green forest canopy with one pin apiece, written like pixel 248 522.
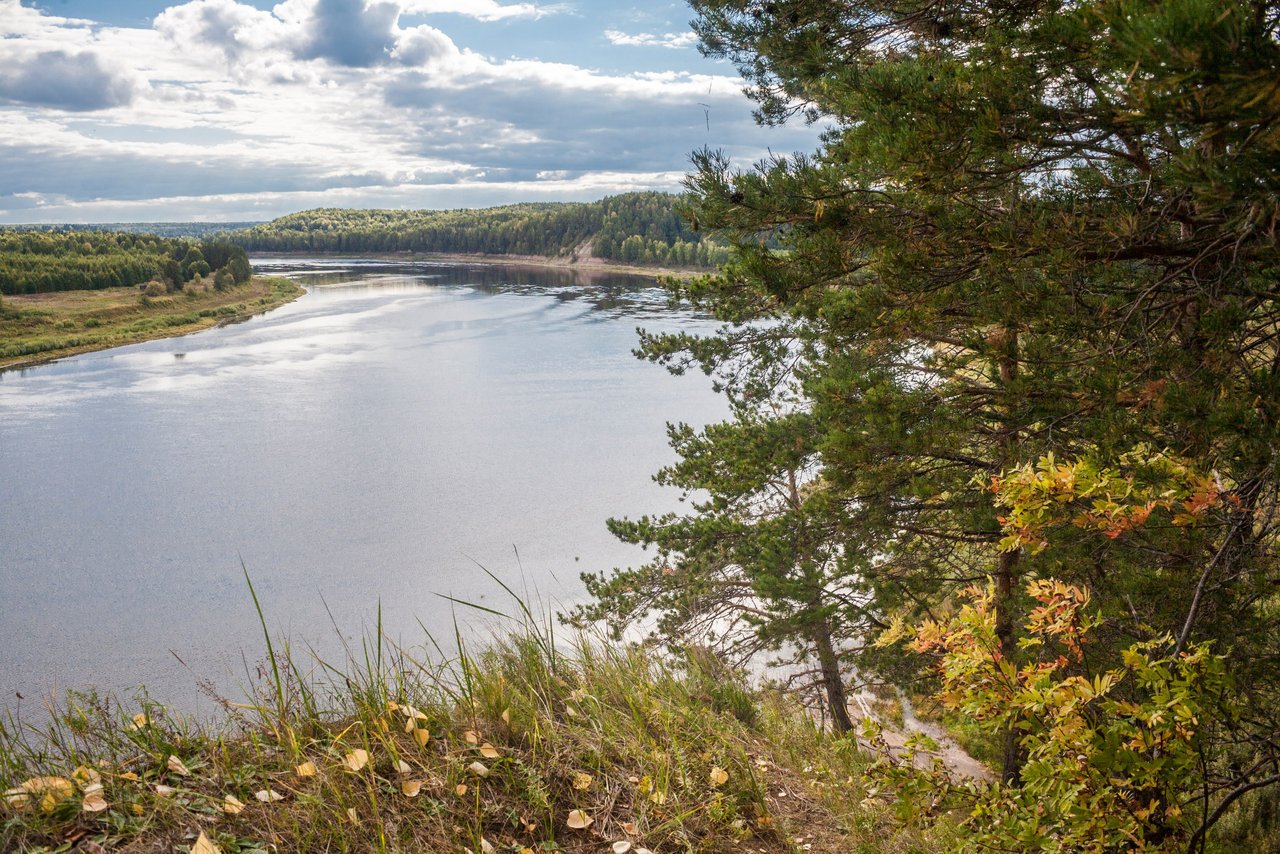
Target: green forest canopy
pixel 633 228
pixel 43 261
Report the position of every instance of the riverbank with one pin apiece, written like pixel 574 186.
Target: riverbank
pixel 584 264
pixel 534 745
pixel 39 328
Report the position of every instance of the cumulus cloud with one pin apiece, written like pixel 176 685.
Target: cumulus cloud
pixel 68 81
pixel 671 40
pixel 346 33
pixel 226 108
pixel 234 28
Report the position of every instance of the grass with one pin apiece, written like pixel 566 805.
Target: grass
pixel 537 743
pixel 42 327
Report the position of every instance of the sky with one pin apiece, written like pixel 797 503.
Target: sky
pixel 225 110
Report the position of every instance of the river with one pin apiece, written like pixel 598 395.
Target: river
pixel 373 443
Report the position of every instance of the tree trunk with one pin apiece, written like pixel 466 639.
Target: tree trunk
pixel 1007 562
pixel 832 681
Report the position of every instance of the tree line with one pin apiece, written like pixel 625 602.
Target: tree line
pixel 39 261
pixel 1003 361
pixel 633 228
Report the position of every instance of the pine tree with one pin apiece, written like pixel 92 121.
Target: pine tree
pixel 1031 228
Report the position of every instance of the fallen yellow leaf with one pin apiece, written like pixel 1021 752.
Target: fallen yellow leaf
pixel 421 736
pixel 582 781
pixel 479 769
pixel 410 788
pixel 622 846
pixel 86 776
pixel 268 795
pixel 351 815
pixel 231 805
pixel 306 769
pixel 356 759
pixel 630 828
pixel 138 722
pixel 48 791
pixel 718 776
pixel 129 775
pixel 460 789
pixel 471 737
pixel 93 798
pixel 403 767
pixel 204 846
pixel 506 716
pixel 579 820
pixel 176 766
pixel 488 751
pixel 165 791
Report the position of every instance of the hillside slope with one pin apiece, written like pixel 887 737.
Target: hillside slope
pixel 634 228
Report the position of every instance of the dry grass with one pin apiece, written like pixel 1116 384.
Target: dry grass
pixel 41 327
pixel 473 753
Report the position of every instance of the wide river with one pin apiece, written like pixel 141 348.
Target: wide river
pixel 373 443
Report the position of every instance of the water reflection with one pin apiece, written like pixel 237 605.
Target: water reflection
pixel 371 441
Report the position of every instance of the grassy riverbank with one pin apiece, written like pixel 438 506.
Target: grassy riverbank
pixel 39 328
pixel 528 747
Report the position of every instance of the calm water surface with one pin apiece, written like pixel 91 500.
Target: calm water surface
pixel 372 442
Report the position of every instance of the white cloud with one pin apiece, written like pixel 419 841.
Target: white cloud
pixel 671 40
pixel 79 81
pixel 222 109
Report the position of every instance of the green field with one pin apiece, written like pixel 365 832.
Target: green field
pixel 37 328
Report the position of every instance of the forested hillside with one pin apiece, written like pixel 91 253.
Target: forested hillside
pixel 635 228
pixel 40 261
pixel 193 230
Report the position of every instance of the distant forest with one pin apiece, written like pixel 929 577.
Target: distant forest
pixel 40 261
pixel 196 230
pixel 633 228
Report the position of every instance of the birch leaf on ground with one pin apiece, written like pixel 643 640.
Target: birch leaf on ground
pixel 421 736
pixel 579 820
pixel 488 751
pixel 165 791
pixel 231 805
pixel 86 776
pixel 460 789
pixel 410 788
pixel 622 846
pixel 403 767
pixel 49 792
pixel 176 766
pixel 306 769
pixel 138 721
pixel 356 759
pixel 718 776
pixel 93 798
pixel 204 846
pixel 479 769
pixel 351 815
pixel 471 737
pixel 268 795
pixel 582 781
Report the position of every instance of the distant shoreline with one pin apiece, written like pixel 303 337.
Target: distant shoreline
pixel 52 326
pixel 587 265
